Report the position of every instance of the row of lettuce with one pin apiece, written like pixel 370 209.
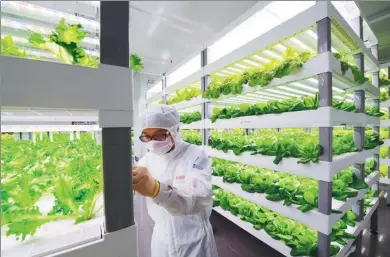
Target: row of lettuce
pixel 301 239
pixel 288 189
pixel 292 61
pixel 68 173
pixel 64 43
pixel 290 143
pixel 276 107
pixel 295 143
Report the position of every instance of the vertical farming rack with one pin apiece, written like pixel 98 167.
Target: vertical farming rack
pixel 319 28
pixel 386 124
pixel 107 91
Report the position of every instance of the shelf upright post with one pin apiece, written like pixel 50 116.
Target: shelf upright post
pixel 164 87
pixel 116 140
pixel 388 169
pixel 376 129
pixel 205 80
pixel 359 101
pixel 325 133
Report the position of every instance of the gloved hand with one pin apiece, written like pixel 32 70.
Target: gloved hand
pixel 144 183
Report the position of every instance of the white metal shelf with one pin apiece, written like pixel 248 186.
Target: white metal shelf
pixel 385 104
pixel 322 117
pixel 386 142
pixel 359 228
pixel 301 23
pixel 53 237
pixel 385 123
pixel 190 103
pixel 259 234
pixel 313 219
pixel 300 84
pixel 298 32
pixel 29 83
pixel 384 181
pixel 384 162
pixel 303 83
pixel 323 171
pixel 280 246
pixel 47 128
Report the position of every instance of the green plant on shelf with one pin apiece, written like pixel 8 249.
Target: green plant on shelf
pixel 69 171
pixel 9 48
pixel 192 137
pixel 187 118
pixel 290 143
pixel 65 43
pixel 384 94
pixel 184 94
pixel 383 170
pixel 301 239
pixel 368 200
pixel 136 62
pixel 383 80
pixel 286 105
pixel 385 115
pixel 234 84
pixel 346 65
pixel 290 189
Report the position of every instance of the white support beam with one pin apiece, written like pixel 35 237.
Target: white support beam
pixel 377 17
pixel 30 83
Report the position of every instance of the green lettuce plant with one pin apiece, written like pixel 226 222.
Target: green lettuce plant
pixel 70 171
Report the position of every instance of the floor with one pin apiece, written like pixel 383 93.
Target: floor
pixel 232 241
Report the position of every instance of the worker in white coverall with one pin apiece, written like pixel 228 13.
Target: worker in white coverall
pixel 176 179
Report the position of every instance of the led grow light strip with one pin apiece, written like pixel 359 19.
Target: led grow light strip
pixel 256 64
pixel 24 41
pixel 35 11
pixel 234 69
pixel 228 72
pixel 272 54
pixel 300 85
pixel 42 30
pixel 280 47
pixel 260 58
pixel 268 98
pixel 281 93
pixel 300 44
pixel 241 65
pixel 295 90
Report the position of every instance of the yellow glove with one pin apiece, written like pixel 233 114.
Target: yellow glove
pixel 144 183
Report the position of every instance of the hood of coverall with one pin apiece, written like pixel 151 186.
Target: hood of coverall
pixel 164 117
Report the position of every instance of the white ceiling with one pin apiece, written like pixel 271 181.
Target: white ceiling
pixel 377 15
pixel 165 31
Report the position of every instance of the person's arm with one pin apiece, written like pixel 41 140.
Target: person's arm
pixel 194 195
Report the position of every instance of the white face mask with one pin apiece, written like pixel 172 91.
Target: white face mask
pixel 160 147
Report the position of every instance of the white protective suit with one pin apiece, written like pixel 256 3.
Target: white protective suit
pixel 182 208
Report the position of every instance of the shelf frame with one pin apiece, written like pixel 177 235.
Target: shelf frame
pixel 30 83
pixel 323 15
pixel 298 23
pixel 313 219
pixel 385 124
pixel 325 92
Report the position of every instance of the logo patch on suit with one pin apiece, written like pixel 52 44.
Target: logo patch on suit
pixel 195 166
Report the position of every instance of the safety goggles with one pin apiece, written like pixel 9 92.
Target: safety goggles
pixel 157 137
